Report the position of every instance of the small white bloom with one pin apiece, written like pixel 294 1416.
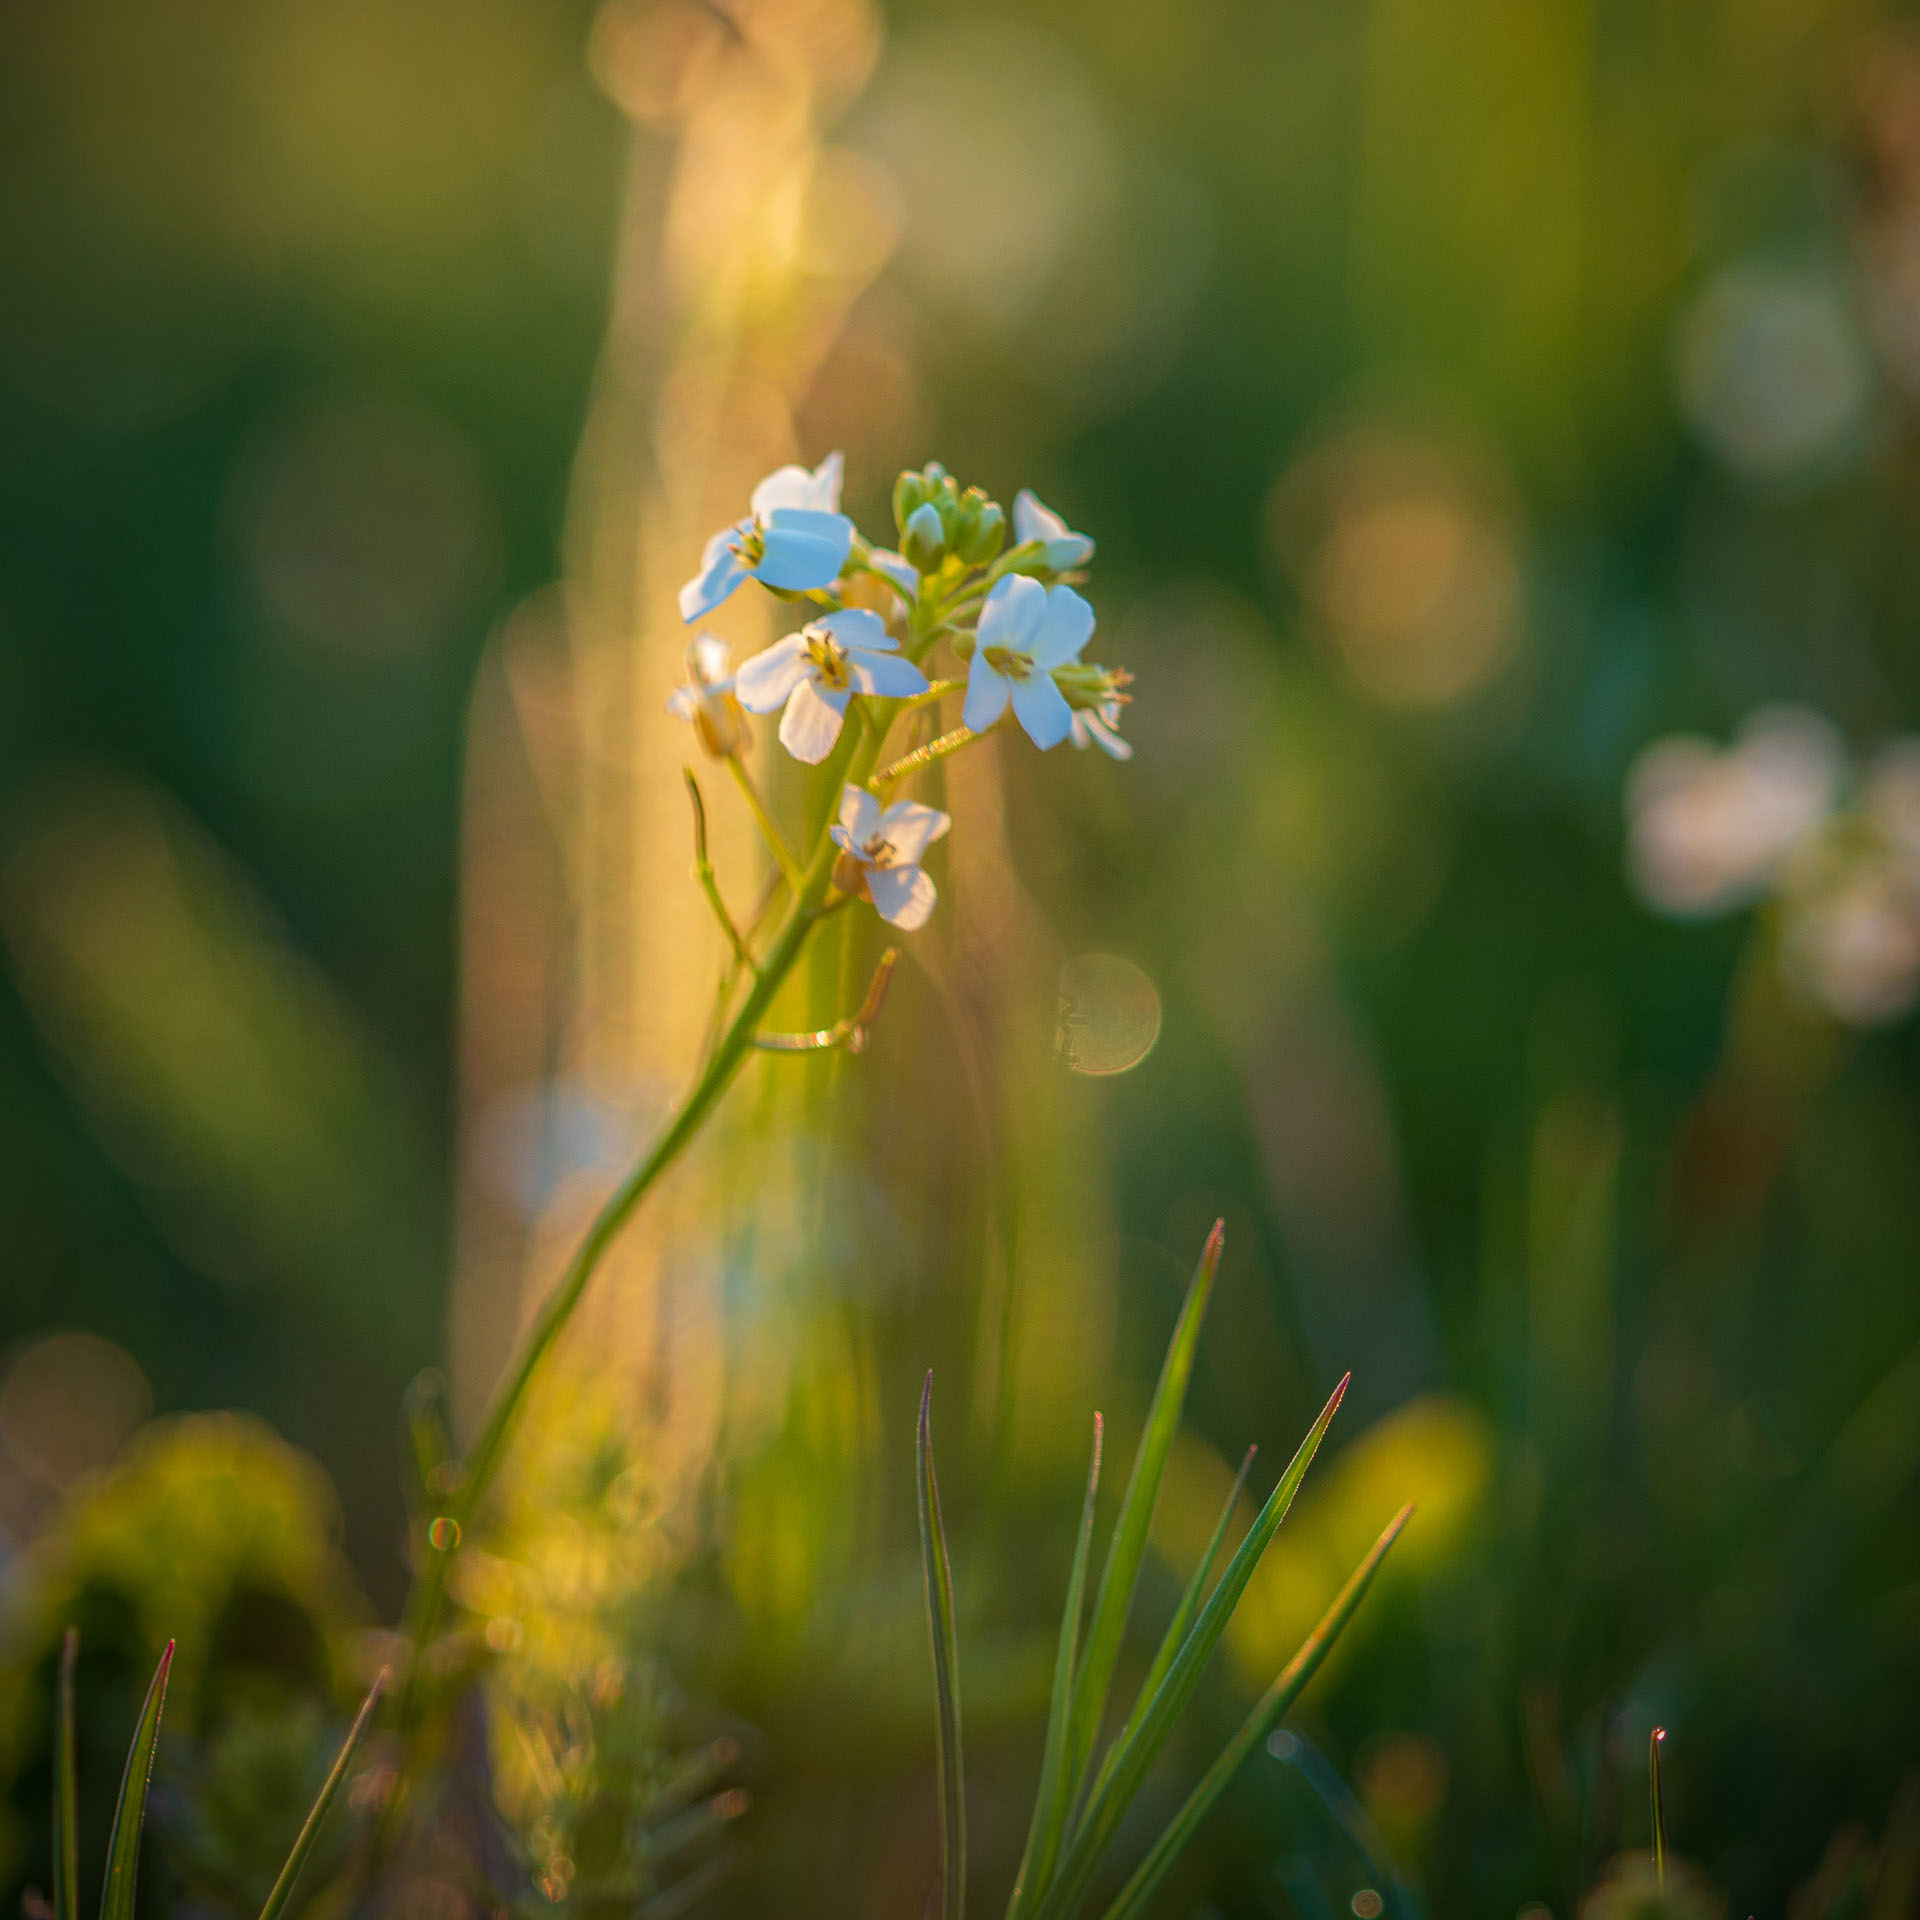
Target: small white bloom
pixel 1100 729
pixel 880 854
pixel 1033 519
pixel 815 672
pixel 795 537
pixel 897 570
pixel 705 699
pixel 1025 631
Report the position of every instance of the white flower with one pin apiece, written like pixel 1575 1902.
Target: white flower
pixel 795 537
pixel 1851 937
pixel 1033 519
pixel 815 672
pixel 1025 631
pixel 897 570
pixel 880 854
pixel 1710 828
pixel 706 700
pixel 1100 729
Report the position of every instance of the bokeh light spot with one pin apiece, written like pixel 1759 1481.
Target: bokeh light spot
pixel 1109 1014
pixel 66 1404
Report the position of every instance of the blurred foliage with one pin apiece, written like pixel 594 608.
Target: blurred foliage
pixel 1462 397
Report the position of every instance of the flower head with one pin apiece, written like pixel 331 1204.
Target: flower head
pixel 795 538
pixel 1025 632
pixel 815 672
pixel 880 854
pixel 706 698
pixel 1033 519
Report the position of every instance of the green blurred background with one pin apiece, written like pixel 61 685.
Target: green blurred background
pixel 1462 396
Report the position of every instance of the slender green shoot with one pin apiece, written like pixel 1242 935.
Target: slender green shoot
pixel 123 1848
pixel 1146 1732
pixel 946 1674
pixel 709 882
pixel 1147 1877
pixel 1120 1572
pixel 764 820
pixel 66 1821
pixel 310 1831
pixel 1659 1813
pixel 1054 1798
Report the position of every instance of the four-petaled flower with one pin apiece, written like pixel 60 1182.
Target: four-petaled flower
pixel 795 538
pixel 706 699
pixel 813 674
pixel 1033 519
pixel 880 854
pixel 1025 631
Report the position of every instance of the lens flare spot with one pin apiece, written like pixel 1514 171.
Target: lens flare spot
pixel 1109 1015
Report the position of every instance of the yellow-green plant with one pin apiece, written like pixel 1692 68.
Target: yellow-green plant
pixel 1079 1805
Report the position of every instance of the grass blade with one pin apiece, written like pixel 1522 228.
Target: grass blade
pixel 1135 1750
pixel 1659 1812
pixel 310 1831
pixel 1335 1799
pixel 1053 1799
pixel 1255 1728
pixel 66 1819
pixel 123 1848
pixel 946 1674
pixel 1176 1632
pixel 1120 1572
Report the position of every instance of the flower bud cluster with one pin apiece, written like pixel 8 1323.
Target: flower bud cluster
pixel 871 622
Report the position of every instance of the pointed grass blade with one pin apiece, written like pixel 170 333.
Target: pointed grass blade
pixel 66 1819
pixel 1659 1812
pixel 1054 1797
pixel 1120 1571
pixel 123 1848
pixel 946 1673
pixel 1146 1732
pixel 310 1831
pixel 1176 1632
pixel 1147 1877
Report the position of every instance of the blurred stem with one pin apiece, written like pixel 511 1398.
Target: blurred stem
pixel 769 827
pixel 852 763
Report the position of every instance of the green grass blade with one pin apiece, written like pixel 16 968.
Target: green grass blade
pixel 1176 1632
pixel 1254 1729
pixel 66 1819
pixel 1120 1572
pixel 1053 1799
pixel 1659 1812
pixel 1135 1751
pixel 946 1674
pixel 123 1848
pixel 310 1831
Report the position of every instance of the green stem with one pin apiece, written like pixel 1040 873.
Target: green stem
pixel 921 757
pixel 769 827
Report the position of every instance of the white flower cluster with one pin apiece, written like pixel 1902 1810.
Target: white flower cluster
pixel 1782 817
pixel 874 620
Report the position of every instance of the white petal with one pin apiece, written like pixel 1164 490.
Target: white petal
pixel 803 550
pixel 856 627
pixel 886 674
pixel 720 572
pixel 1067 628
pixel 859 814
pixel 811 723
pixel 1070 550
pixel 910 829
pixel 710 658
pixel 1033 519
pixel 765 681
pixel 987 693
pixel 784 487
pixel 1093 728
pixel 1011 614
pixel 1042 709
pixel 902 896
pixel 896 569
pixel 683 703
pixel 826 482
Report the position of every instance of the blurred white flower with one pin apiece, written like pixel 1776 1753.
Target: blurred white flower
pixel 705 699
pixel 815 672
pixel 1100 729
pixel 1851 936
pixel 1892 797
pixel 794 538
pixel 897 570
pixel 1710 827
pixel 1033 519
pixel 1025 631
pixel 880 854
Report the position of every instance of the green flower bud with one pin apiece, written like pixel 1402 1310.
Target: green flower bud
pixel 909 493
pixel 924 538
pixel 982 530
